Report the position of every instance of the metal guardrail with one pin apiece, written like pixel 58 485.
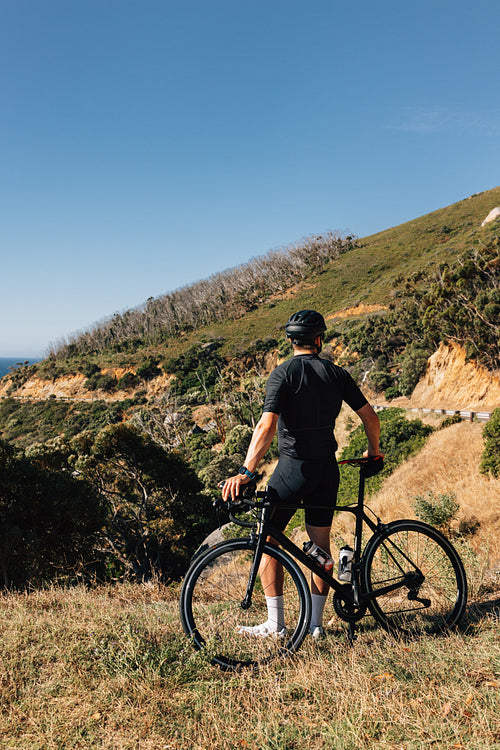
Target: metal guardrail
pixel 471 416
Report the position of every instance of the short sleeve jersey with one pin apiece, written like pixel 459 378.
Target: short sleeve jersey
pixel 307 392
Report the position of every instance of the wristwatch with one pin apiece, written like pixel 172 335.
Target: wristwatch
pixel 244 470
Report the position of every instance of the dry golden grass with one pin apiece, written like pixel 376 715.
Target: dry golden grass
pixel 109 668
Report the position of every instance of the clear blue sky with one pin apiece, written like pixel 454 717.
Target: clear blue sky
pixel 146 144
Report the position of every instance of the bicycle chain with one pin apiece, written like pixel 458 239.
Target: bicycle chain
pixel 345 609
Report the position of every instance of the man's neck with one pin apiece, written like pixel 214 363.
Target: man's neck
pixel 300 350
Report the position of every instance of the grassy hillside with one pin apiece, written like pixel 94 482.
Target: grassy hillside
pixel 368 273
pixel 111 669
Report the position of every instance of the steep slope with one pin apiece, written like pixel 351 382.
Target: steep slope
pixel 365 272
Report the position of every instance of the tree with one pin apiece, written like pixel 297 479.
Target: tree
pixel 157 515
pixel 49 519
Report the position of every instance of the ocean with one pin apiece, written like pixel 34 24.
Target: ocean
pixel 7 362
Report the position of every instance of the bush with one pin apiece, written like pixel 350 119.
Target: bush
pixel 148 369
pixel 197 368
pixel 220 468
pixel 449 421
pixel 237 440
pixel 128 380
pixel 490 460
pixel 98 382
pixel 437 510
pixel 392 392
pixel 49 518
pixel 90 369
pixel 413 364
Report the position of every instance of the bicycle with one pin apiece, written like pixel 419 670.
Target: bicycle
pixel 409 577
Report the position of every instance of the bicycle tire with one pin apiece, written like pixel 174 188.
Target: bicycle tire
pixel 211 611
pixel 432 605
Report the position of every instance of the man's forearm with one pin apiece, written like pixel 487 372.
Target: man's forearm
pixel 371 424
pixel 261 440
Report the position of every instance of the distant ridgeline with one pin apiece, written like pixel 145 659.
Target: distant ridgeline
pixel 224 296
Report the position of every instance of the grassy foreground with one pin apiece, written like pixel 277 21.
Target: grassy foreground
pixel 110 668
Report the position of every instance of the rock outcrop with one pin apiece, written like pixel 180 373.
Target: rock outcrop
pixel 493 214
pixel 451 382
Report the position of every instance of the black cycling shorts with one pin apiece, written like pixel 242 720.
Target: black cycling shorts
pixel 311 483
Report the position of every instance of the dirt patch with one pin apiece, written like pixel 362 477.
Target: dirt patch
pixel 350 312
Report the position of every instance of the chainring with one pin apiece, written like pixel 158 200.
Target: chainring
pixel 345 609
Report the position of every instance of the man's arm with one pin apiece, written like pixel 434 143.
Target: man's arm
pixel 371 423
pixel 262 437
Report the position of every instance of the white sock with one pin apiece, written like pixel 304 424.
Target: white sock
pixel 275 623
pixel 275 613
pixel 318 605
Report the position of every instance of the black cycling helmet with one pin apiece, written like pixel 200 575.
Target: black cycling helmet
pixel 305 325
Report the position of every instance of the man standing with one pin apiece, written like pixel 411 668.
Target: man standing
pixel 304 396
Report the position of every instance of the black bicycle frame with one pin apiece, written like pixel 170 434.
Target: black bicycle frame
pixel 351 594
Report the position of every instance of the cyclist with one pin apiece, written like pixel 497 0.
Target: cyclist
pixel 304 396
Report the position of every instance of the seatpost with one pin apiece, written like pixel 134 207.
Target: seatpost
pixel 359 514
pixel 358 536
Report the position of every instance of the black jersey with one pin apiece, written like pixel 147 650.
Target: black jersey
pixel 307 392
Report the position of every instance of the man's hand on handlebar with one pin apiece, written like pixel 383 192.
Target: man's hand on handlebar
pixel 233 486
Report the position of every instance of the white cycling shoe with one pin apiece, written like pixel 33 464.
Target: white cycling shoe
pixel 262 631
pixel 317 632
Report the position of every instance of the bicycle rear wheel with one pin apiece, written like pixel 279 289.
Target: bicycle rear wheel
pixel 433 586
pixel 211 606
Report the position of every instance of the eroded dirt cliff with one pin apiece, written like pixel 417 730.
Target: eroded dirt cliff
pixel 450 382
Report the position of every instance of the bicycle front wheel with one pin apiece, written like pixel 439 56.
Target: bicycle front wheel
pixel 212 612
pixel 414 578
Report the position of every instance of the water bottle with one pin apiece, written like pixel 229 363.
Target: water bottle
pixel 318 554
pixel 345 563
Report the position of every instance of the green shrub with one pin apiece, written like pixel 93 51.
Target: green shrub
pixel 448 421
pixel 90 369
pixel 392 392
pixel 197 368
pixel 99 382
pixel 128 380
pixel 237 440
pixel 490 460
pixel 220 468
pixel 49 518
pixel 413 364
pixel 148 369
pixel 437 510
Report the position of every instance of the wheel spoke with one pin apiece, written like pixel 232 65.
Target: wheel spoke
pixel 431 606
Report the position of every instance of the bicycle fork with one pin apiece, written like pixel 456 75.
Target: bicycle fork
pixel 246 602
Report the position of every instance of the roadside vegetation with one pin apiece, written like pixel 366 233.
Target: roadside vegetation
pixel 107 665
